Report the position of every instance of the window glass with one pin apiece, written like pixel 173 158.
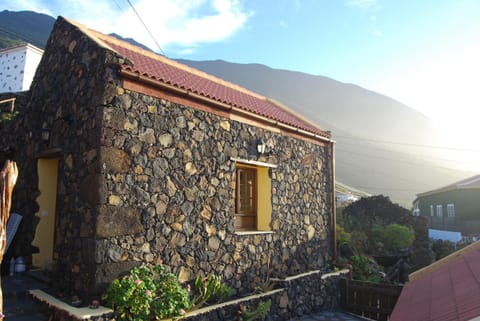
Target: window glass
pixel 450 210
pixel 246 198
pixel 439 211
pixel 253 197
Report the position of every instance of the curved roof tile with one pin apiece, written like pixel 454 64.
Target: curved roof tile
pixel 170 72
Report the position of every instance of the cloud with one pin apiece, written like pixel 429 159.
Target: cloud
pixel 27 5
pixel 362 4
pixel 181 24
pixel 186 51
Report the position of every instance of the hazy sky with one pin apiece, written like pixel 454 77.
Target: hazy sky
pixel 424 53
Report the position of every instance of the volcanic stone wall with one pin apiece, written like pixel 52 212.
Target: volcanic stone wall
pixel 170 191
pixel 75 80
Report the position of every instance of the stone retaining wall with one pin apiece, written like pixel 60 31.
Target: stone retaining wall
pixel 294 299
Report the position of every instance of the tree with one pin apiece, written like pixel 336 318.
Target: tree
pixel 442 248
pixel 361 217
pixel 365 217
pixel 342 235
pixel 367 212
pixel 392 238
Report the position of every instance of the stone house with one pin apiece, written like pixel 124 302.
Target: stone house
pixel 127 157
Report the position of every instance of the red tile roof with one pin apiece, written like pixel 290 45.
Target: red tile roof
pixel 158 68
pixel 447 290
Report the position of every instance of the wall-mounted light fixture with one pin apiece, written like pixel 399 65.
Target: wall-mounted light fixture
pixel 45 134
pixel 261 146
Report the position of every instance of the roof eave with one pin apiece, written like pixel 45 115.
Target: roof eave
pixel 160 84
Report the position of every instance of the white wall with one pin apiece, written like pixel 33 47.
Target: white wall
pixel 17 67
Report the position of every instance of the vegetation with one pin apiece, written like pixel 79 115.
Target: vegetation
pixel 376 226
pixel 260 313
pixel 391 239
pixel 7 42
pixel 149 293
pixel 342 235
pixel 442 248
pixel 24 26
pixel 4 116
pixel 365 268
pixel 367 212
pixel 208 287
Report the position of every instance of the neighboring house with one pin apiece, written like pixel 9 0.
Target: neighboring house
pixel 446 290
pixel 126 157
pixel 17 67
pixel 454 207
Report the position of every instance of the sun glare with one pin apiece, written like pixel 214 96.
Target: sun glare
pixel 446 89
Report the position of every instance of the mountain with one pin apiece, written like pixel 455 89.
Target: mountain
pixel 132 41
pixel 378 138
pixel 24 26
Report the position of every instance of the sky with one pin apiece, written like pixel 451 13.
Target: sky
pixel 423 53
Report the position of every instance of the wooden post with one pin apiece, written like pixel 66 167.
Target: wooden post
pixel 8 178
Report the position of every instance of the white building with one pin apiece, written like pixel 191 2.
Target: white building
pixel 17 67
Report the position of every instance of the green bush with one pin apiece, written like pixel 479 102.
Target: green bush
pixel 342 235
pixel 150 293
pixel 391 239
pixel 360 241
pixel 207 288
pixel 398 237
pixel 260 313
pixel 145 293
pixel 442 248
pixel 365 268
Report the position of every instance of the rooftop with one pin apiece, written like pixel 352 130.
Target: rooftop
pixel 147 64
pixel 24 46
pixel 446 290
pixel 467 183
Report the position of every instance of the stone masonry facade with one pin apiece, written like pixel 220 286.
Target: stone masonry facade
pixel 146 179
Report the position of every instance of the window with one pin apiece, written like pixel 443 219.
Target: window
pixel 416 209
pixel 246 199
pixel 451 210
pixel 253 208
pixel 439 211
pixel 431 210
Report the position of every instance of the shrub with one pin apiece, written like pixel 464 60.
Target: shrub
pixel 151 293
pixel 342 235
pixel 171 298
pixel 397 237
pixel 360 241
pixel 442 248
pixel 207 288
pixel 391 239
pixel 364 268
pixel 145 293
pixel 260 313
